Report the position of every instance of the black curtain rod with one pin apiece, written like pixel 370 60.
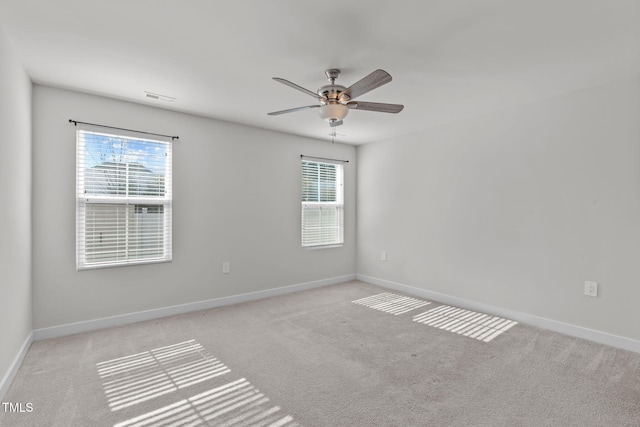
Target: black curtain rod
pixel 75 123
pixel 323 158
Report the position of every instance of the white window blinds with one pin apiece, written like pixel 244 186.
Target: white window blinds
pixel 123 199
pixel 322 204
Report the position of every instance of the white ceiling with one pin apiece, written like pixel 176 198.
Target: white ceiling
pixel 449 59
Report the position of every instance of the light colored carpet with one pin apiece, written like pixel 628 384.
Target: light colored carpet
pixel 315 358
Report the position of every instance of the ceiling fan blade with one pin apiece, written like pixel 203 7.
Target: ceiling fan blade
pixel 300 88
pixel 368 83
pixel 292 110
pixel 335 123
pixel 375 106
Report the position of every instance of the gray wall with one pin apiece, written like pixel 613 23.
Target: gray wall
pixel 236 198
pixel 15 210
pixel 515 209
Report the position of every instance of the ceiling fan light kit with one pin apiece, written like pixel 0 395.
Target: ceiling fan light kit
pixel 333 112
pixel 335 101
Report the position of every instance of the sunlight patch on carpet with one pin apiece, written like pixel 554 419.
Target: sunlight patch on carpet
pixel 391 303
pixel 471 324
pixel 143 376
pixel 234 404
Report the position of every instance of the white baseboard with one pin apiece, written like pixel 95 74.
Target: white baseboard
pixel 13 369
pixel 528 319
pixel 107 322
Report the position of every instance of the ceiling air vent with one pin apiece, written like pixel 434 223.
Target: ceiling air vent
pixel 159 97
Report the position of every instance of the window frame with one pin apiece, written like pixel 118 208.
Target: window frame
pixel 133 204
pixel 337 204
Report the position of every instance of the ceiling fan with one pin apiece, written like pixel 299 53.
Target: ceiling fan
pixel 336 100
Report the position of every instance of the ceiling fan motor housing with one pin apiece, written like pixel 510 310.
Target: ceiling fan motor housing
pixel 331 92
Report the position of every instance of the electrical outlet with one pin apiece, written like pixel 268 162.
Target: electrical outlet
pixel 383 256
pixel 591 288
pixel 226 267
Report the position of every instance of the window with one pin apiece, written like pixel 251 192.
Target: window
pixel 322 204
pixel 123 199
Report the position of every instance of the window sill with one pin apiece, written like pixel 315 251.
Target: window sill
pixel 121 264
pixel 313 248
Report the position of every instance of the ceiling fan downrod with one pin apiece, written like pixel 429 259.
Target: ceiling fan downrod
pixel 332 74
